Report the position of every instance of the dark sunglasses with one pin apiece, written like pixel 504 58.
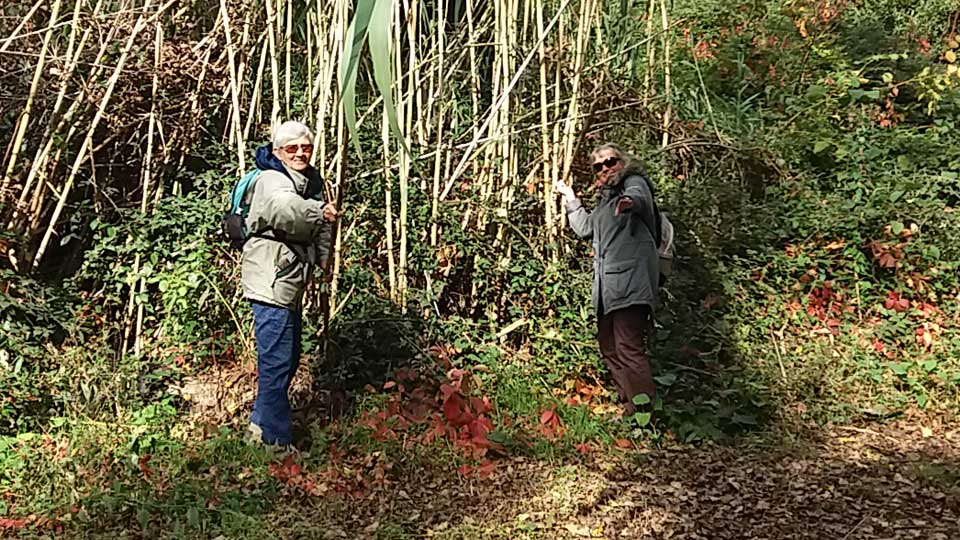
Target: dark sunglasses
pixel 607 163
pixel 292 148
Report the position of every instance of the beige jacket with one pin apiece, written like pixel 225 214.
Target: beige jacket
pixel 288 237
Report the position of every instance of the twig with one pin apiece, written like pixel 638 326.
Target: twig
pixel 869 432
pixel 855 527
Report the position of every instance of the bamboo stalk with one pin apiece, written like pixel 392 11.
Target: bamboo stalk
pixel 73 58
pixel 651 54
pixel 142 21
pixel 496 107
pixel 288 40
pixel 256 94
pixel 23 122
pixel 583 34
pixel 274 68
pixel 23 22
pixel 388 209
pixel 548 197
pixel 311 22
pixel 234 89
pixel 404 158
pixel 666 73
pixel 147 177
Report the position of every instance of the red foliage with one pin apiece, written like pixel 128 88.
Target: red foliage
pixel 895 302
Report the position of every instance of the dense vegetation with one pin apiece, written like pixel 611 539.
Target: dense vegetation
pixel 807 150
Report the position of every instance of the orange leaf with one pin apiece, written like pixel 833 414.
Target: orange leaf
pixel 623 443
pixel 546 416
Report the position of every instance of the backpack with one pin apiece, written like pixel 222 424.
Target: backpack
pixel 234 222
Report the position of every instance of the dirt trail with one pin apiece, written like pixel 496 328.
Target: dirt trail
pixel 885 482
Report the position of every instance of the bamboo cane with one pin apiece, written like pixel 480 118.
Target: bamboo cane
pixel 142 21
pixel 501 99
pixel 23 22
pixel 583 29
pixel 288 40
pixel 43 151
pixel 255 95
pixel 20 130
pixel 274 68
pixel 388 209
pixel 651 54
pixel 147 177
pixel 666 73
pixel 234 89
pixel 404 173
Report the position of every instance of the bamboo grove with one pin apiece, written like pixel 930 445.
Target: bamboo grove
pixel 111 99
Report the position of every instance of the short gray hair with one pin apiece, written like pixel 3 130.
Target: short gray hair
pixel 290 130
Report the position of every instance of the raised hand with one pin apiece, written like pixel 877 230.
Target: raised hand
pixel 330 212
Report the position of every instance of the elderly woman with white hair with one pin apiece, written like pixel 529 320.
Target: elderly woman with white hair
pixel 287 223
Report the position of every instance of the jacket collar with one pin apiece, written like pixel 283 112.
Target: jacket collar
pixel 267 161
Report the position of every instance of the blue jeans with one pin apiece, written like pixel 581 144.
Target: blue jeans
pixel 277 331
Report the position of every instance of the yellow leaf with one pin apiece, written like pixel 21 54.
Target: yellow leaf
pixel 950 56
pixel 833 246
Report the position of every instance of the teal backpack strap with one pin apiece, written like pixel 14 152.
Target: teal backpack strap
pixel 239 192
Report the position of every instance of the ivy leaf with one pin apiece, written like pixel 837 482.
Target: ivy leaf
pixel 643 419
pixel 667 379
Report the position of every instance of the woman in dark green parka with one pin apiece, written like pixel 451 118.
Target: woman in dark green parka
pixel 625 266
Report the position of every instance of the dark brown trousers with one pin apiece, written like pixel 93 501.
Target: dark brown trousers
pixel 624 336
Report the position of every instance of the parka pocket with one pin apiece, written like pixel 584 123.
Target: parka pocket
pixel 287 262
pixel 617 278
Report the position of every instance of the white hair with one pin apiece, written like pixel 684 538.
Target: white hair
pixel 290 130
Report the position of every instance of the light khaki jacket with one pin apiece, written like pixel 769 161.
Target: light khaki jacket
pixel 288 237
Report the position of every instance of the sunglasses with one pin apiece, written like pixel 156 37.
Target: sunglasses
pixel 292 148
pixel 607 163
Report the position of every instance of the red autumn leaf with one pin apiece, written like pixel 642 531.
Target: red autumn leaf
pixel 144 467
pixel 623 443
pixel 447 390
pixel 465 470
pixel 452 407
pixel 388 385
pixel 583 448
pixel 485 470
pixel 547 416
pixel 480 405
pixel 12 523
